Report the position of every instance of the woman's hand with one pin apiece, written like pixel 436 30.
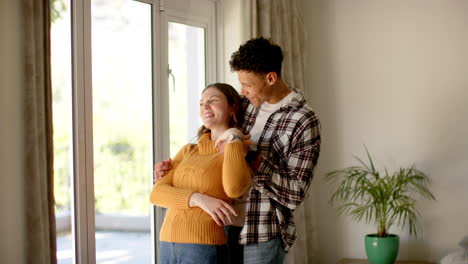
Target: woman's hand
pixel 218 209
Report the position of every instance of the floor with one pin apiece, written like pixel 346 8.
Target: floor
pixel 111 248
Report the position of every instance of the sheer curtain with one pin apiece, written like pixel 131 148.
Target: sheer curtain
pixel 37 133
pixel 281 21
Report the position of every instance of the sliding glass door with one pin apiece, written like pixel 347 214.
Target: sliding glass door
pixel 127 76
pixel 122 129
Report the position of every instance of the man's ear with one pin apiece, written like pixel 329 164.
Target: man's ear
pixel 271 78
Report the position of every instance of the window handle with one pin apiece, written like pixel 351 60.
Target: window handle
pixel 169 70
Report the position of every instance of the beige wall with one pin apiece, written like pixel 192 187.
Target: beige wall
pixel 234 22
pixel 392 74
pixel 11 203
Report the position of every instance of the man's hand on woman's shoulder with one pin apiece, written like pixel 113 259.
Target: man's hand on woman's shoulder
pixel 161 168
pixel 230 135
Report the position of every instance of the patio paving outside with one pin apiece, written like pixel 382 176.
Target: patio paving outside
pixel 111 248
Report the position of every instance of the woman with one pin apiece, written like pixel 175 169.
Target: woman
pixel 202 182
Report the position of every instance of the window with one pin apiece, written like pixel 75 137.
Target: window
pixel 126 75
pixel 186 82
pixel 122 129
pixel 62 119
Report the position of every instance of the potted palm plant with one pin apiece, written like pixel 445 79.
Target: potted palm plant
pixel 365 193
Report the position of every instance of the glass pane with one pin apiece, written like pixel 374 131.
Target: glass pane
pixel 62 122
pixel 186 82
pixel 122 125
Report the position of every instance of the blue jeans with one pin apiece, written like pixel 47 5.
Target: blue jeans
pixel 182 253
pixel 270 252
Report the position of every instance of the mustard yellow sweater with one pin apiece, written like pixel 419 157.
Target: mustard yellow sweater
pixel 200 168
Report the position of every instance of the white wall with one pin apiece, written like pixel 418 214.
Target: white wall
pixel 392 74
pixel 12 234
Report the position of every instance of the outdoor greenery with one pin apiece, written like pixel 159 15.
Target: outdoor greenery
pixel 121 174
pixel 57 8
pixel 62 172
pixel 384 199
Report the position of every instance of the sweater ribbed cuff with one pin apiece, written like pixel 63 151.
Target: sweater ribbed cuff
pixel 180 198
pixel 235 151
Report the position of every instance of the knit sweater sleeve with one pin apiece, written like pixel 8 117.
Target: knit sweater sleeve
pixel 164 194
pixel 236 171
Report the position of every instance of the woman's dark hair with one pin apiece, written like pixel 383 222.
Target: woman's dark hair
pixel 258 55
pixel 233 100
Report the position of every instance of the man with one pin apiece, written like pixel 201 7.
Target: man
pixel 287 135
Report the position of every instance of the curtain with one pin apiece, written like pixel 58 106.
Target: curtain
pixel 281 21
pixel 37 128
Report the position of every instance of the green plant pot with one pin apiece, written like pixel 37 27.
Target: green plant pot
pixel 382 250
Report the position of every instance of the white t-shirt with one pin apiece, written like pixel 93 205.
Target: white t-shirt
pixel 266 109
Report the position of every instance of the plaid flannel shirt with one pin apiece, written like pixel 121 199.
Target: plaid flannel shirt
pixel 290 146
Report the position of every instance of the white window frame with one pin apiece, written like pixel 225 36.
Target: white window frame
pixel 82 202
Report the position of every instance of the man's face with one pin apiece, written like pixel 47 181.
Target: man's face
pixel 255 87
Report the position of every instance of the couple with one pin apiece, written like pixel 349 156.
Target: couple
pixel 202 181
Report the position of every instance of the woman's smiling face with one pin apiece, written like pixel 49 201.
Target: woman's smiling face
pixel 215 111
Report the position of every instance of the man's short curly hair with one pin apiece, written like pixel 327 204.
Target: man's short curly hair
pixel 258 55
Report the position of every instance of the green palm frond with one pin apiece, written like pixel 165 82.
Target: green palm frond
pixel 383 199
